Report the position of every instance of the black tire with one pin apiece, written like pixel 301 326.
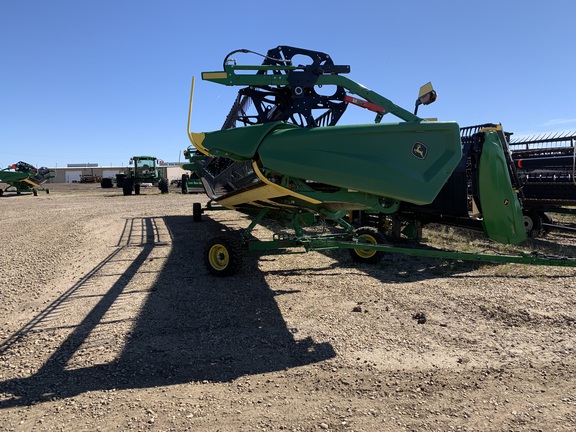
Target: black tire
pixel 532 223
pixel 127 187
pixel 47 191
pixel 184 184
pixel 546 219
pixel 196 212
pixel 223 255
pixel 120 178
pixel 137 187
pixel 106 183
pixel 35 191
pixel 369 235
pixel 1 191
pixel 163 186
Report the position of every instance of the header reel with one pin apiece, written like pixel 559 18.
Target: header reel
pixel 302 102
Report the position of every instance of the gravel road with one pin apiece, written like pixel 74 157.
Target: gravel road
pixel 109 321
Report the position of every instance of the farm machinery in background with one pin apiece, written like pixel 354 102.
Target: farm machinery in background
pixel 23 177
pixel 281 156
pixel 142 170
pixel 191 183
pixel 546 167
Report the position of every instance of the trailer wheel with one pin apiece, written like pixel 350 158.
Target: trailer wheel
pixel 368 235
pixel 223 255
pixel 137 188
pixel 196 212
pixel 532 223
pixel 35 191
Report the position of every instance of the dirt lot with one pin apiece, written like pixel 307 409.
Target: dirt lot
pixel 109 321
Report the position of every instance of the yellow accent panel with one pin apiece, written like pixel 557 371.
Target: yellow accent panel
pixel 30 182
pixel 262 193
pixel 214 75
pixel 281 188
pixel 426 88
pixel 197 139
pixel 492 128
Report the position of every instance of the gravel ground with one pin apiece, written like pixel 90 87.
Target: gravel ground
pixel 109 321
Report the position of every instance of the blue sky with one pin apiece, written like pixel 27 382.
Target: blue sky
pixel 99 81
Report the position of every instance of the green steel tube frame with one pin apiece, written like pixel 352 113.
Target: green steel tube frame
pixel 277 247
pixel 228 77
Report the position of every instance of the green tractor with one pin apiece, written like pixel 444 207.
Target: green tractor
pixel 143 170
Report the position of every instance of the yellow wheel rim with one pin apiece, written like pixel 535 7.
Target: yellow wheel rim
pixel 219 257
pixel 364 253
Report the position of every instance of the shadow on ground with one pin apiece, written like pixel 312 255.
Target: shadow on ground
pixel 192 327
pixel 398 268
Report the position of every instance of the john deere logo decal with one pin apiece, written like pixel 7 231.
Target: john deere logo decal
pixel 419 150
